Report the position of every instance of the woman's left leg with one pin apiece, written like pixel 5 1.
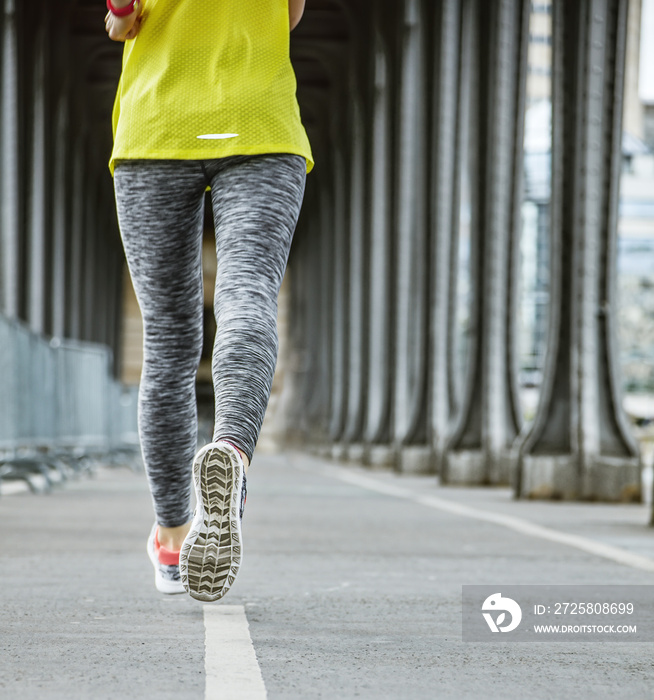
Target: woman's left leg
pixel 256 203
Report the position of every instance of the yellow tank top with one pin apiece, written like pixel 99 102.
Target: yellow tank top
pixel 206 79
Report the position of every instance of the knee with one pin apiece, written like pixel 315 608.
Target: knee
pixel 173 337
pixel 248 308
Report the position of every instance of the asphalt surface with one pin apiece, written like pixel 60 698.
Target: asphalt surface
pixel 349 593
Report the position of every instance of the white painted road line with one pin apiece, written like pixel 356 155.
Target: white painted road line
pixel 524 527
pixel 231 666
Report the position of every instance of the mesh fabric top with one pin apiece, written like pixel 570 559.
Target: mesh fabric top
pixel 207 79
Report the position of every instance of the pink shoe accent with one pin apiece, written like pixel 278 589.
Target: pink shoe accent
pixel 238 449
pixel 165 556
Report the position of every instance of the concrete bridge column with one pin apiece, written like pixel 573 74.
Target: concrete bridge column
pixel 339 272
pixel 89 245
pixel 109 324
pixel 312 289
pixel 62 85
pixel 356 247
pixel 9 179
pixel 73 327
pixel 305 395
pixel 376 431
pixel 496 37
pixel 580 445
pixel 410 250
pixel 297 403
pixel 117 340
pixel 61 185
pixel 308 338
pixel 358 145
pixel 326 309
pixel 101 232
pixel 444 213
pixel 39 243
pixel 114 283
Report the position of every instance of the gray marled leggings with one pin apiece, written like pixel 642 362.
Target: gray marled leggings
pixel 256 201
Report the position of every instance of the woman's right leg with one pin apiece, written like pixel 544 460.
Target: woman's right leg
pixel 160 212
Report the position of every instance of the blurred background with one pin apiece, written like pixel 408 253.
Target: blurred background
pixel 470 291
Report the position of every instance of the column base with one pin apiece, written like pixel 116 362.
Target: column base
pixel 354 452
pixel 322 451
pixel 558 477
pixel 464 468
pixel 379 457
pixel 474 468
pixel 415 459
pixel 339 452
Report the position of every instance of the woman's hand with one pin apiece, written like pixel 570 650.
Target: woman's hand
pixel 123 28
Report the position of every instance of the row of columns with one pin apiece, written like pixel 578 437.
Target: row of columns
pixel 61 257
pixel 427 148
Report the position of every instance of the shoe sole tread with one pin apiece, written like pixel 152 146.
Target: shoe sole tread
pixel 211 554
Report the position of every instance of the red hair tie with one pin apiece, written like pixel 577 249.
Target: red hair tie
pixel 122 11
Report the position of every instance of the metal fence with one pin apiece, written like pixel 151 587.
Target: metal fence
pixel 61 410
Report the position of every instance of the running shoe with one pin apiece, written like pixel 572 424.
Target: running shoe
pixel 212 551
pixel 166 565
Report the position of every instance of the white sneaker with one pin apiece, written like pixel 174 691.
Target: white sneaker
pixel 166 565
pixel 211 554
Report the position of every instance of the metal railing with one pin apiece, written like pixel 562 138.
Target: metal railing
pixel 61 411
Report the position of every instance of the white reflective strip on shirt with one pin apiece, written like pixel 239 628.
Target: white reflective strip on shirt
pixel 217 136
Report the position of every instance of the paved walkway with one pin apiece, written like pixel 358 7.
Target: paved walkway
pixel 351 588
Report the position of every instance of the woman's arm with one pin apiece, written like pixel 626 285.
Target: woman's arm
pixel 295 12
